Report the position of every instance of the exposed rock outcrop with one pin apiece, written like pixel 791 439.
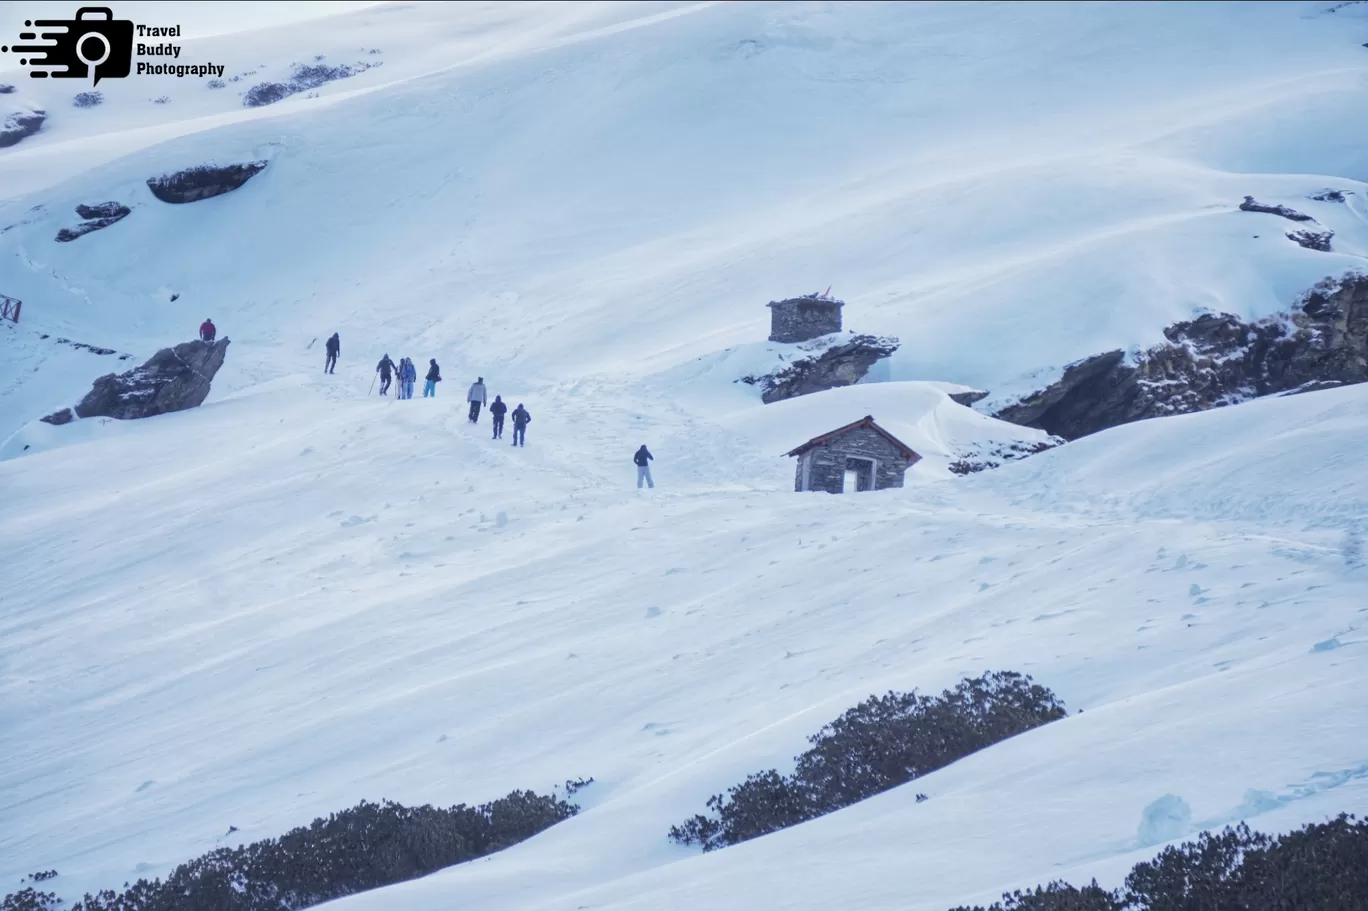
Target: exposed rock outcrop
pixel 985 459
pixel 1214 360
pixel 194 184
pixel 174 379
pixel 6 88
pixel 96 217
pixel 1329 196
pixel 839 363
pixel 1312 240
pixel 18 124
pixel 1250 205
pixel 968 397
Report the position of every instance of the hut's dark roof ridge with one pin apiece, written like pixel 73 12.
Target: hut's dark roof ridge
pixel 866 421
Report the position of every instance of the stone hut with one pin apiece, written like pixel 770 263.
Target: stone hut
pixel 857 457
pixel 801 318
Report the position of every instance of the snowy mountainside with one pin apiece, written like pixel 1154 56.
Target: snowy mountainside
pixel 299 595
pixel 293 599
pixel 617 199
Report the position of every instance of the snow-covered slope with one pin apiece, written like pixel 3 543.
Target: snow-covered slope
pixel 298 596
pixel 615 188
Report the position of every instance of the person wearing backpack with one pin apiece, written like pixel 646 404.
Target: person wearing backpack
pixel 496 411
pixel 642 458
pixel 385 368
pixel 520 421
pixel 434 376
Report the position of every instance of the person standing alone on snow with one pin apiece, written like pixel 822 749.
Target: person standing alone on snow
pixel 520 421
pixel 434 376
pixel 476 397
pixel 496 411
pixel 642 459
pixel 208 330
pixel 384 368
pixel 334 348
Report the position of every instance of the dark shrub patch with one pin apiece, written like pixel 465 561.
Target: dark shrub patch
pixel 366 847
pixel 881 743
pixel 30 899
pixel 88 99
pixel 266 93
pixel 1322 866
pixel 575 785
pixel 1058 896
pixel 303 78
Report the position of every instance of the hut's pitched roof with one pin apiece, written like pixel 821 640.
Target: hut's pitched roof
pixel 866 421
pixel 808 299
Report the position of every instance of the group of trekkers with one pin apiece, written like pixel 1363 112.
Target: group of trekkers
pixel 478 397
pixel 407 374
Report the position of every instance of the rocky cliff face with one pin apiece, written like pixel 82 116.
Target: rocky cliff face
pixel 173 380
pixel 1214 360
pixel 834 362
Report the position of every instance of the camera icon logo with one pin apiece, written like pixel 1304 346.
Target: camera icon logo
pixel 79 48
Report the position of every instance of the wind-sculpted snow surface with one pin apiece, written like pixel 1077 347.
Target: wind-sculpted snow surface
pixel 296 597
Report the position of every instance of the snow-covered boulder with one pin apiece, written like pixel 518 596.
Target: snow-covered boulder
pixel 202 182
pixel 833 362
pixel 18 119
pixel 172 380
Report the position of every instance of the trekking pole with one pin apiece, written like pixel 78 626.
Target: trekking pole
pixel 372 388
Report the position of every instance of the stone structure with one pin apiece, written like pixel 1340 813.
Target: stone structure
pixel 857 457
pixel 799 319
pixel 173 380
pixel 843 363
pixel 1214 360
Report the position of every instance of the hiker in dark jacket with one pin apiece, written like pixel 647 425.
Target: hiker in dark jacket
pixel 496 411
pixel 334 348
pixel 434 376
pixel 520 421
pixel 642 458
pixel 384 368
pixel 476 397
pixel 208 331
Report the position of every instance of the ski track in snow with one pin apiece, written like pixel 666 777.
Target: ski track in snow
pixel 298 596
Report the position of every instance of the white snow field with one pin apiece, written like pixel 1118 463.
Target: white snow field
pixel 300 595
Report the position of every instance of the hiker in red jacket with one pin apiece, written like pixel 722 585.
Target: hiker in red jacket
pixel 207 331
